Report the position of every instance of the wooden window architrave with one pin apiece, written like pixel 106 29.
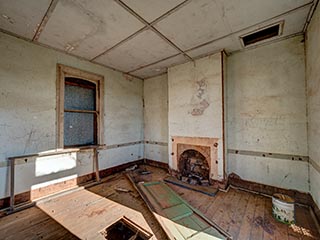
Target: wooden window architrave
pixel 63 72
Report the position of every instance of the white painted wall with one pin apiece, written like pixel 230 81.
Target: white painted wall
pixel 156 118
pixel 313 91
pixel 190 84
pixel 28 116
pixel 266 112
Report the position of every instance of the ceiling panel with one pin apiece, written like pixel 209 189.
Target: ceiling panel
pixel 22 17
pixel 194 24
pixel 244 13
pixel 151 9
pixel 160 67
pixel 230 44
pixel 145 48
pixel 88 27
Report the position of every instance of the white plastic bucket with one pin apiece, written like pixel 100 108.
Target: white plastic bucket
pixel 283 208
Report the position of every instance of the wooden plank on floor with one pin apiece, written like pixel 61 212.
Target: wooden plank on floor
pixel 245 228
pixel 177 227
pixel 238 214
pixel 257 223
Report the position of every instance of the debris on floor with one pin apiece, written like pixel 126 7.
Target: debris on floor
pixel 208 190
pixel 119 189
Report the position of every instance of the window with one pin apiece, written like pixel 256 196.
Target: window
pixel 79 107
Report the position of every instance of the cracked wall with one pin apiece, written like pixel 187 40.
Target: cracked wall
pixel 266 114
pixel 156 118
pixel 28 112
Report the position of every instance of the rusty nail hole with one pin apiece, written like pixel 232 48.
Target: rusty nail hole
pixel 216 162
pixel 263 155
pixel 216 144
pixel 237 151
pixel 172 139
pixel 300 159
pixel 293 158
pixel 172 153
pixel 25 160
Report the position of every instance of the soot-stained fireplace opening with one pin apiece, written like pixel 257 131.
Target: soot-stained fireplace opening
pixel 194 167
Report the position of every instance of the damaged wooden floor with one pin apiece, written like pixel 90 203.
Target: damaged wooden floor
pixel 84 213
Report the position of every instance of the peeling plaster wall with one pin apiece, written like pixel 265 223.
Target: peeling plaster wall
pixel 266 112
pixel 156 118
pixel 313 91
pixel 28 116
pixel 195 102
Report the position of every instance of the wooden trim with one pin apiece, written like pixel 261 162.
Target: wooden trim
pixel 158 164
pixel 316 210
pixel 81 111
pixel 64 71
pixel 299 197
pixel 223 114
pixel 119 168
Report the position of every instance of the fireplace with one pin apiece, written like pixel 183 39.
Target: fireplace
pixel 194 167
pixel 194 159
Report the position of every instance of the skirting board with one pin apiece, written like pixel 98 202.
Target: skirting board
pixel 299 197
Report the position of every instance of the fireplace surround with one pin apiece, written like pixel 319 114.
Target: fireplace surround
pixel 195 156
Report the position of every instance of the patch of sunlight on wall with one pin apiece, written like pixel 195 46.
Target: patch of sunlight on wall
pixel 54 181
pixel 53 164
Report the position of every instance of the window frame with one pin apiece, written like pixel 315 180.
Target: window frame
pixel 63 72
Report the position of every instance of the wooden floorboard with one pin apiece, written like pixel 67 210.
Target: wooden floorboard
pixel 82 214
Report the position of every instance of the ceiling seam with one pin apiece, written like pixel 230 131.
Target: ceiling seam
pixel 149 26
pixel 172 10
pixel 45 19
pixel 310 14
pixel 120 43
pixel 153 63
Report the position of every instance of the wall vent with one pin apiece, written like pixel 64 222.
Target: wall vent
pixel 262 34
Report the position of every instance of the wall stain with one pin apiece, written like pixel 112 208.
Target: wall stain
pixel 199 100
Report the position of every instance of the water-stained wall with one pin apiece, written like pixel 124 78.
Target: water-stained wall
pixel 28 112
pixel 313 92
pixel 266 115
pixel 156 118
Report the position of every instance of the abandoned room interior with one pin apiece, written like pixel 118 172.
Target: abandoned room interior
pixel 159 119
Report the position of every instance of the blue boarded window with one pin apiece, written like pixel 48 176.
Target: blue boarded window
pixel 80 113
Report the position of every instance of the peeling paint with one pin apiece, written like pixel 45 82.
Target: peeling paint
pixel 199 101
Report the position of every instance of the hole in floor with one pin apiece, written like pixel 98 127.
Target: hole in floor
pixel 125 229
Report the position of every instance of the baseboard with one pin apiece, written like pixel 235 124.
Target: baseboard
pixel 157 164
pixel 316 210
pixel 28 196
pixel 300 197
